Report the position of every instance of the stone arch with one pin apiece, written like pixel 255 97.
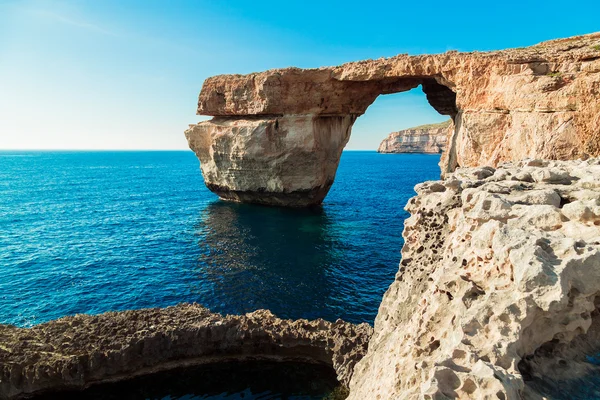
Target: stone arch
pixel 276 135
pixel 277 139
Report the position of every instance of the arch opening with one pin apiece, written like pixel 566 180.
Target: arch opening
pixel 407 117
pixel 286 151
pixel 441 97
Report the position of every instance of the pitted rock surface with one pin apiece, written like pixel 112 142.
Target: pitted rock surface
pixel 278 135
pixel 75 352
pixel 498 289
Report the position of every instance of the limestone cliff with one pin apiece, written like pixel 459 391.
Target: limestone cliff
pixel 498 291
pixel 75 352
pixel 277 135
pixel 429 138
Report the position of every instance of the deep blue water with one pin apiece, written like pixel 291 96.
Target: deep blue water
pixel 89 232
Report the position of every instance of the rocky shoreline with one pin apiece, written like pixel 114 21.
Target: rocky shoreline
pixel 498 291
pixel 427 139
pixel 497 296
pixel 79 351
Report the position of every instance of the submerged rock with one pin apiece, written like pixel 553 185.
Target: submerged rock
pixel 75 352
pixel 498 291
pixel 429 138
pixel 277 135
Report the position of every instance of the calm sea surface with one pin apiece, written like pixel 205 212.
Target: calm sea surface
pixel 89 232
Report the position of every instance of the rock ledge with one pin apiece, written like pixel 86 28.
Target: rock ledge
pixel 75 352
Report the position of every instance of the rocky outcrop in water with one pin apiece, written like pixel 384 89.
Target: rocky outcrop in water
pixel 284 161
pixel 429 138
pixel 277 135
pixel 75 352
pixel 498 291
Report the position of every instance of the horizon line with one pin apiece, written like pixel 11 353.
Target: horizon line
pixel 140 150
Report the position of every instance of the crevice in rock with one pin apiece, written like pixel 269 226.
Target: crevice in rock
pixel 561 370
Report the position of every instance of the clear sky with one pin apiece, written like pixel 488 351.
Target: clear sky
pixel 125 74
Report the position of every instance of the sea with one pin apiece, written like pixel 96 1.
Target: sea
pixel 90 232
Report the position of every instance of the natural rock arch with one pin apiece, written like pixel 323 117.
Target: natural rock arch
pixel 277 136
pixel 281 155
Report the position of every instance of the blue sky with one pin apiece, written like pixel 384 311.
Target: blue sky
pixel 104 74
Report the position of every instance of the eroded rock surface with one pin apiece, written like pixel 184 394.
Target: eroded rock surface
pixel 74 352
pixel 498 289
pixel 286 161
pixel 277 135
pixel 420 139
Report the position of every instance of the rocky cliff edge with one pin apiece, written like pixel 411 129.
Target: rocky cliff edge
pixel 498 291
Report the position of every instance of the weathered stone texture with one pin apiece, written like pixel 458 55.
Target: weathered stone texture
pixel 75 352
pixel 287 161
pixel 499 281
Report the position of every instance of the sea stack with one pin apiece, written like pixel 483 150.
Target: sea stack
pixel 431 139
pixel 277 136
pixel 283 161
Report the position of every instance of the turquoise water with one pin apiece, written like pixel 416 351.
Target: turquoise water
pixel 89 232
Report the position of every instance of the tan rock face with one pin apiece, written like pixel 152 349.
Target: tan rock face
pixel 420 139
pixel 498 290
pixel 74 352
pixel 288 161
pixel 542 101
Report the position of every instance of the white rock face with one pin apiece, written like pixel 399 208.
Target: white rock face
pixel 284 161
pixel 496 295
pixel 429 138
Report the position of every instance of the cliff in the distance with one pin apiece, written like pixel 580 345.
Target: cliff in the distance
pixel 429 138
